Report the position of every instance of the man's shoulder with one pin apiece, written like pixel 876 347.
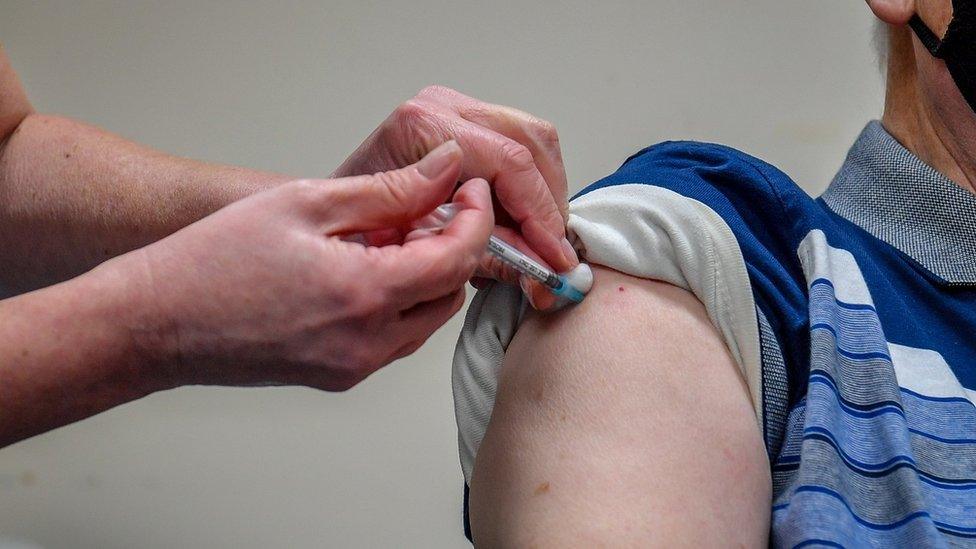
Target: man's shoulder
pixel 689 185
pixel 736 185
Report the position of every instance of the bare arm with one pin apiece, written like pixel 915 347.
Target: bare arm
pixel 70 351
pixel 72 196
pixel 262 291
pixel 622 422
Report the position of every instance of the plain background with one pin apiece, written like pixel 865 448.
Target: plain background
pixel 294 86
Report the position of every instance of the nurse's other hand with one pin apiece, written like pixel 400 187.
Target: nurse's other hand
pixel 265 291
pixel 517 153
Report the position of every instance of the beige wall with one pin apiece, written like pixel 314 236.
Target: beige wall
pixel 294 85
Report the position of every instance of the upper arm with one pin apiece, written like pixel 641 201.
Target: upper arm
pixel 14 106
pixel 624 421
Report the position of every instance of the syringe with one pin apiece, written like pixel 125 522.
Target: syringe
pixel 511 256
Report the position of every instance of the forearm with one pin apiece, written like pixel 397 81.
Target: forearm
pixel 71 351
pixel 72 196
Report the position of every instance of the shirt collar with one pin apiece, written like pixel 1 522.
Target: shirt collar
pixel 889 192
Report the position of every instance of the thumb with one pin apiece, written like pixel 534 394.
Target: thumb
pixel 393 198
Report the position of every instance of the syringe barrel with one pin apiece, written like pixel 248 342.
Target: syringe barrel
pixel 504 251
pixel 522 263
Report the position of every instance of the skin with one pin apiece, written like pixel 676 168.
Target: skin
pixel 924 109
pixel 516 151
pixel 624 454
pixel 129 271
pixel 305 307
pixel 593 445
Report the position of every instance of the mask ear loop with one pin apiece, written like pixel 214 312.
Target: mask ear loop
pixel 925 35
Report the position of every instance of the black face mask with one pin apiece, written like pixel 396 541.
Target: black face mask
pixel 957 48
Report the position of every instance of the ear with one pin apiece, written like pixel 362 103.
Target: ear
pixel 893 12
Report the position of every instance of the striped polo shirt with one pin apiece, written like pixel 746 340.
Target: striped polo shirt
pixel 852 317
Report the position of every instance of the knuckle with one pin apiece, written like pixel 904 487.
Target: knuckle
pixel 436 90
pixel 394 187
pixel 307 190
pixel 547 134
pixel 409 111
pixel 477 111
pixel 516 154
pixel 415 128
pixel 369 303
pixel 332 289
pixel 551 217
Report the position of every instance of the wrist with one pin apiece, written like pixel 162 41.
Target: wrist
pixel 68 352
pixel 144 335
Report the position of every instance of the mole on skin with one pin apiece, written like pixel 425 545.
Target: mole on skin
pixel 542 489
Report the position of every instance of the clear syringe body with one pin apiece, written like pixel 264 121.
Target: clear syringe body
pixel 508 254
pixel 497 247
pixel 505 252
pixel 521 262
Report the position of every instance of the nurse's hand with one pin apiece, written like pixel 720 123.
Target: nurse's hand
pixel 265 291
pixel 517 153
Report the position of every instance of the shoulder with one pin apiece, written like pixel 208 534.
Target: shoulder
pixel 727 227
pixel 748 194
pixel 708 207
pixel 703 169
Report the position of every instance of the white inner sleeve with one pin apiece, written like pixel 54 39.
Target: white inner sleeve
pixel 641 230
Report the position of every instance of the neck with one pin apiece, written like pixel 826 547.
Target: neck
pixel 917 122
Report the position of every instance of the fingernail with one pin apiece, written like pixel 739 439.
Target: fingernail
pixel 439 159
pixel 570 254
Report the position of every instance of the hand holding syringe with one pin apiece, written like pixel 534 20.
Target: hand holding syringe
pixel 570 287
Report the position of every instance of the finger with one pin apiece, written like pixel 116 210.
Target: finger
pixel 539 296
pixel 428 268
pixel 420 322
pixel 538 135
pixel 541 140
pixel 520 188
pixel 492 267
pixel 406 350
pixel 393 198
pixel 417 234
pixel 383 237
pixel 428 316
pixel 480 282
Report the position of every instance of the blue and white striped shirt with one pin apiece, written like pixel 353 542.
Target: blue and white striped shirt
pixel 860 349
